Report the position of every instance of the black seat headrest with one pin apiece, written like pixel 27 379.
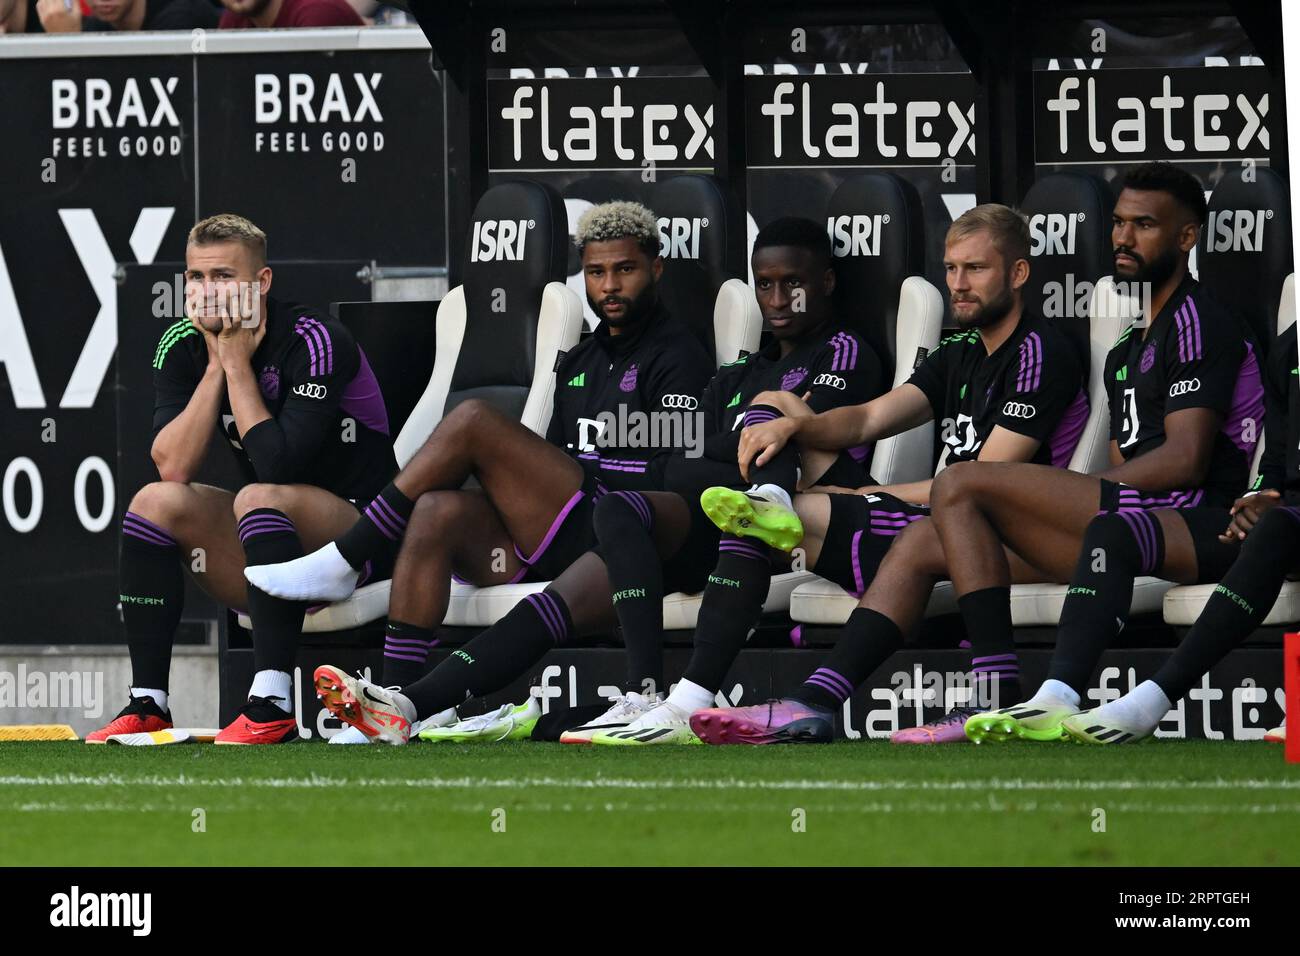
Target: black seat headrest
pixel 692 214
pixel 877 234
pixel 518 242
pixel 1069 248
pixel 1245 250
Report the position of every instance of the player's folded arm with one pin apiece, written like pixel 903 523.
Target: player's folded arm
pixel 281 447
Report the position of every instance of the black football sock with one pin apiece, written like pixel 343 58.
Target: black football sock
pixel 867 640
pixel 152 592
pixel 995 668
pixel 269 537
pixel 624 525
pixel 1116 549
pixel 783 469
pixel 732 603
pixel 406 653
pixel 496 657
pixel 1240 602
pixel 378 532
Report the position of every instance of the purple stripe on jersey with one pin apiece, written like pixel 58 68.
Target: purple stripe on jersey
pixel 757 416
pixel 553 530
pixel 313 349
pixel 146 536
pixel 144 528
pixel 994 659
pixel 859 453
pixel 1195 326
pixel 363 400
pixel 309 331
pixel 836 678
pixel 1065 439
pixel 1184 338
pixel 858 587
pixel 1247 405
pixel 1038 365
pixel 323 342
pixel 324 337
pixel 847 353
pixel 837 349
pixel 1142 533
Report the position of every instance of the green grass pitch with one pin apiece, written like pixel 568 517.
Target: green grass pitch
pixel 1164 803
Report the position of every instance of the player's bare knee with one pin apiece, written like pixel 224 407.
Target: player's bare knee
pixel 918 547
pixel 257 496
pixel 954 483
pixel 163 502
pixel 435 517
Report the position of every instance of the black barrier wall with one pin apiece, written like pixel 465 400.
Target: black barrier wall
pixel 115 146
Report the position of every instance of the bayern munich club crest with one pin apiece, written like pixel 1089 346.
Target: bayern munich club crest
pixel 269 383
pixel 791 379
pixel 1148 358
pixel 629 380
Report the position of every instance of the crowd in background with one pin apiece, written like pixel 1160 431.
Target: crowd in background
pixel 76 16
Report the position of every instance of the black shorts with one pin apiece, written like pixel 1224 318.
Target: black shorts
pixel 1116 497
pixel 688 570
pixel 845 472
pixel 861 529
pixel 570 536
pixel 1205 518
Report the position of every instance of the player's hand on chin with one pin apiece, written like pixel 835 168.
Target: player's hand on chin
pixel 238 340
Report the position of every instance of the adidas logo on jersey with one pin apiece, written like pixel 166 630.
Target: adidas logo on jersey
pixel 578 381
pixel 1122 374
pixel 735 400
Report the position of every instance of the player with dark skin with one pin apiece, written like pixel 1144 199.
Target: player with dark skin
pixel 985 512
pixel 783 276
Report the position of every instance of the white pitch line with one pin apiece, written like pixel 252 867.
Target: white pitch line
pixel 713 808
pixel 612 783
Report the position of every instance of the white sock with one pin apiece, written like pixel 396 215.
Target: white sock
pixel 159 696
pixel 775 493
pixel 323 575
pixel 1056 692
pixel 690 697
pixel 276 685
pixel 1147 702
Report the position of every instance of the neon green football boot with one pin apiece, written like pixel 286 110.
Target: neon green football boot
pixel 751 514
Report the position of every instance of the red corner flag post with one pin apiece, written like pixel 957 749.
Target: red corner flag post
pixel 1291 651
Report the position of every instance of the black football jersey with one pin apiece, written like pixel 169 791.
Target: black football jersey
pixel 328 424
pixel 1032 384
